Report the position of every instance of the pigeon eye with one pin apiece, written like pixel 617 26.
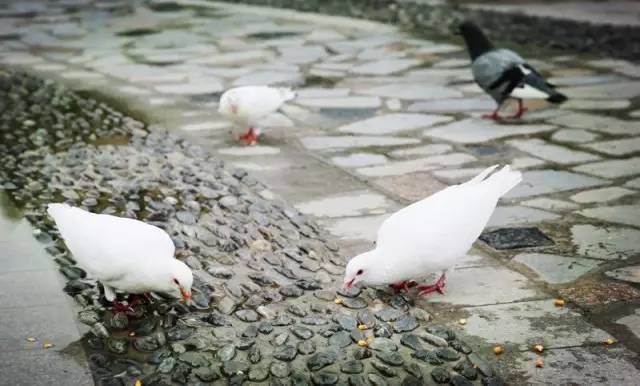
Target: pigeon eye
pixel 359 272
pixel 176 281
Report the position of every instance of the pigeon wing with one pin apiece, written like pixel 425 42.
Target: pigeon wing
pixel 494 71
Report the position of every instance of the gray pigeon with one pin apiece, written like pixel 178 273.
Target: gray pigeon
pixel 503 74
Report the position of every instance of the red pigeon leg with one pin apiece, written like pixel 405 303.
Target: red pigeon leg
pixel 437 287
pixel 494 115
pixel 250 138
pixel 122 308
pixel 404 285
pixel 521 110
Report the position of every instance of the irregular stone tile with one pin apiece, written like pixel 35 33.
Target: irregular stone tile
pixel 596 122
pixel 452 63
pixel 612 168
pixel 599 292
pixel 635 114
pixel 438 48
pixel 622 214
pixel 453 105
pixel 349 204
pixel 551 204
pixel 479 130
pixel 554 153
pixel 538 182
pixel 192 87
pixel 231 58
pixel 322 35
pixel 517 215
pixel 457 175
pixel 521 163
pixel 573 136
pixel 412 91
pixel 269 78
pixel 583 80
pixel 616 147
pixel 353 45
pixel 483 285
pixel 630 274
pixel 557 269
pixel 422 164
pixel 380 53
pixel 634 183
pixel 353 102
pixel 598 365
pixel 250 150
pixel 322 92
pixel 590 104
pixel 49 67
pixel 393 123
pixel 601 195
pixel 513 238
pixel 412 186
pixel 205 126
pixel 356 160
pixel 384 67
pixel 302 54
pixel 609 242
pixel 328 74
pixel 348 141
pixel 133 90
pixel 358 228
pixel 394 104
pixel 533 322
pixel 438 148
pixel 627 89
pixel 81 75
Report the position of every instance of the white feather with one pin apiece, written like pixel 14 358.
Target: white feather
pixel 435 233
pixel 527 92
pixel 122 253
pixel 252 103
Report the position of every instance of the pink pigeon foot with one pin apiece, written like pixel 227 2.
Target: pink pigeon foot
pixel 437 287
pixel 122 308
pixel 404 285
pixel 250 138
pixel 493 116
pixel 521 110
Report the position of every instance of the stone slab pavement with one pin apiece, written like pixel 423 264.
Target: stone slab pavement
pixel 34 312
pixel 383 119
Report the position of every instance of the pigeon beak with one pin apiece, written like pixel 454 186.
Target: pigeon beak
pixel 186 296
pixel 348 283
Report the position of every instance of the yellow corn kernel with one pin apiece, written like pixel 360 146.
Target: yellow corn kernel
pixel 362 327
pixel 338 301
pixel 363 343
pixel 538 348
pixel 539 362
pixel 497 350
pixel 31 339
pixel 559 303
pixel 462 321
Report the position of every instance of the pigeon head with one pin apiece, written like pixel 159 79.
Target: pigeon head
pixel 362 269
pixel 229 104
pixel 476 41
pixel 181 279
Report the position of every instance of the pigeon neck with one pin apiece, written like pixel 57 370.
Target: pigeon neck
pixel 477 44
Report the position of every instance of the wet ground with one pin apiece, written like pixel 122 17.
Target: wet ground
pixel 381 120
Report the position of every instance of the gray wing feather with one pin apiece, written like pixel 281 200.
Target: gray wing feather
pixel 489 67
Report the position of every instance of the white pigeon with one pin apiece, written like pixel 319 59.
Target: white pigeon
pixel 122 253
pixel 246 106
pixel 431 235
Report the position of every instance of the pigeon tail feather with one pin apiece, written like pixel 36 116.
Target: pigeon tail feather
pixel 287 94
pixel 504 180
pixel 480 177
pixel 557 98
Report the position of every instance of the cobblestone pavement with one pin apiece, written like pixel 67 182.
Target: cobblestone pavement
pixel 381 120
